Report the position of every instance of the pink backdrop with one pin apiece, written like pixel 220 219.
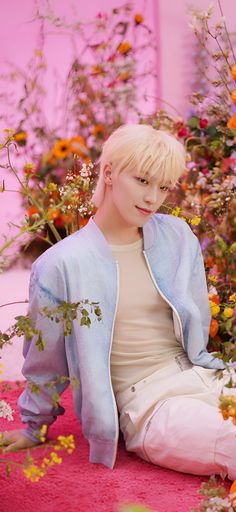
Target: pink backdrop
pixel 18 38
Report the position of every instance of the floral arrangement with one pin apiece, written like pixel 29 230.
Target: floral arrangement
pixel 100 93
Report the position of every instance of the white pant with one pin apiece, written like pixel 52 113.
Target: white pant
pixel 172 419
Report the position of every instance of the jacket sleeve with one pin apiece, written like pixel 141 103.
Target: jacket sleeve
pixel 200 296
pixel 43 368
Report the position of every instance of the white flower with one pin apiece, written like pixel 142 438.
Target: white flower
pixel 5 411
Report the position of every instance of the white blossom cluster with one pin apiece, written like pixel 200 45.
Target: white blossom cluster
pixel 6 411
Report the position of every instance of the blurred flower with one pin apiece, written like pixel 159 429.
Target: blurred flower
pixel 78 146
pixel 61 148
pixel 20 137
pixel 214 327
pixel 228 312
pixel 124 47
pixel 138 18
pixel 233 71
pixel 6 411
pixel 232 122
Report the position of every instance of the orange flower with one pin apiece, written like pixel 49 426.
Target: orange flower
pixel 124 76
pixel 233 486
pixel 61 148
pixel 233 96
pixel 138 18
pixel 214 298
pixel 78 146
pixel 97 69
pixel 20 137
pixel 233 71
pixel 97 129
pixel 124 47
pixel 66 218
pixel 214 327
pixel 33 210
pixel 184 186
pixel 83 221
pixel 53 213
pixel 232 122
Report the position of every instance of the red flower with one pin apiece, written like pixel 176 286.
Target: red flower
pixel 203 123
pixel 183 132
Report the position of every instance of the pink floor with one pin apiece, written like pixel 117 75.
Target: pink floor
pixel 78 486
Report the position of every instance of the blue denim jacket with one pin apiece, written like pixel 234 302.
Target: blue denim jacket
pixel 82 267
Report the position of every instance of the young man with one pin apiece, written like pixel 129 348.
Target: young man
pixel 147 356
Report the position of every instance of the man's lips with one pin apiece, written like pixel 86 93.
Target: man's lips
pixel 144 211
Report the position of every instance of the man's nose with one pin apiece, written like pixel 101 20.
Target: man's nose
pixel 151 195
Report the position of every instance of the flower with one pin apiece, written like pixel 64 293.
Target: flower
pixel 232 122
pixel 233 71
pixel 195 220
pixel 124 47
pixel 5 411
pixel 78 146
pixel 43 433
pixel 228 312
pixel 20 137
pixel 33 211
pixel 138 18
pixel 203 123
pixel 124 76
pixel 97 69
pixel 62 148
pixel 214 327
pixel 215 309
pixel 233 96
pixel 97 129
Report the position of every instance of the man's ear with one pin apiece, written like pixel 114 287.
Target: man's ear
pixel 107 174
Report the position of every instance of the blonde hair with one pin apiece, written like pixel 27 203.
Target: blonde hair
pixel 141 147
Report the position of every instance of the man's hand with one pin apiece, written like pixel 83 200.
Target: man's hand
pixel 14 440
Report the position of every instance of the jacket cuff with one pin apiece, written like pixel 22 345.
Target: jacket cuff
pixel 102 452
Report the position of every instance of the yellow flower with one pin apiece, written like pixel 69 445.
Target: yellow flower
pixel 43 433
pixel 67 442
pixel 138 18
pixel 215 309
pixel 176 211
pixel 55 459
pixel 213 279
pixel 62 148
pixel 33 473
pixel 232 298
pixel 52 186
pixel 124 47
pixel 195 220
pixel 228 312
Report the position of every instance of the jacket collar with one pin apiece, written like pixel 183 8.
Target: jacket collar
pixel 96 235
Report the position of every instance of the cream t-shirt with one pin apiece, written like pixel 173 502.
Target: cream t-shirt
pixel 144 340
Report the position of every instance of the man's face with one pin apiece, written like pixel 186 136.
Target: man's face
pixel 135 199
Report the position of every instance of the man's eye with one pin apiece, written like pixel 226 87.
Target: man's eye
pixel 165 188
pixel 142 180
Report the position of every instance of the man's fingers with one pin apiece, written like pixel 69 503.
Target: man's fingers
pixel 4 440
pixel 13 447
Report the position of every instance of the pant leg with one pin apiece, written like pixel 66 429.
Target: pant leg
pixel 188 435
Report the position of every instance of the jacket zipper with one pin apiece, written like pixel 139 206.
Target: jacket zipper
pixel 168 302
pixel 113 396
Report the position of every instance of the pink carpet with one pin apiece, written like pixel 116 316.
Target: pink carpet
pixel 78 486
